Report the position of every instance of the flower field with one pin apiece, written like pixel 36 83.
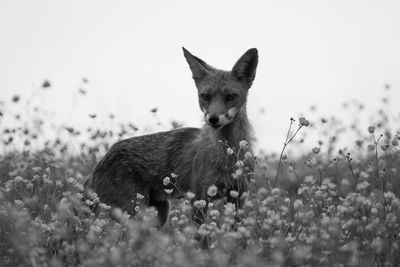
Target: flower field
pixel 333 206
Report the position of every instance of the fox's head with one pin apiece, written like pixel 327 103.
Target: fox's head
pixel 223 94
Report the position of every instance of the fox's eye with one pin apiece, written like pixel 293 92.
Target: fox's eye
pixel 206 97
pixel 231 97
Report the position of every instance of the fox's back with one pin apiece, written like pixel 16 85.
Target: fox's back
pixel 145 157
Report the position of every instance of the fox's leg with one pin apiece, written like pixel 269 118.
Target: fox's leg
pixel 162 208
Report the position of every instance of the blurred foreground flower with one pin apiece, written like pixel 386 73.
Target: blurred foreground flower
pixel 371 129
pixel 304 122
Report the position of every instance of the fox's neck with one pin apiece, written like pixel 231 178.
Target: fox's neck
pixel 239 129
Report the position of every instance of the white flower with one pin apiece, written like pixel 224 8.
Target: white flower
pixel 212 191
pixel 297 204
pixel 234 193
pixel 362 186
pixel 168 191
pixel 243 144
pixel 240 164
pixel 364 175
pixel 139 196
pixel 190 195
pixel 238 173
pixel 248 155
pixel 71 180
pixel 19 179
pixel 166 181
pixel 229 151
pixel 200 204
pixel 174 175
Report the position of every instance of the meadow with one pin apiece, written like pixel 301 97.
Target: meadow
pixel 331 206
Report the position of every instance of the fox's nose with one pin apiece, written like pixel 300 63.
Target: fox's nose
pixel 213 120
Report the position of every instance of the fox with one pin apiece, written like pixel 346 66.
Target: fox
pixel 196 158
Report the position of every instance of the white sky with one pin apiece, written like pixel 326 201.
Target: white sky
pixel 311 52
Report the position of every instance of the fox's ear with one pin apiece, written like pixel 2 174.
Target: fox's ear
pixel 198 67
pixel 245 68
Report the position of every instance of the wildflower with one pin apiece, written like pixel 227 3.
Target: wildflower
pixel 166 181
pixel 77 185
pixel 239 164
pixel 200 204
pixel 174 175
pixel 174 219
pixel 362 186
pixel 385 147
pixel 298 203
pixel 212 191
pixel 304 122
pixel 36 169
pixel 29 185
pixel 18 202
pixel 190 195
pixel 15 98
pixel 89 202
pixel 104 206
pixel 168 191
pixel 371 129
pixel 229 151
pixel 243 144
pixel 46 84
pixel 238 173
pixel 139 196
pixel 318 194
pixel 374 210
pixel 364 175
pixel 71 180
pixel 275 191
pixel 309 179
pixel 19 179
pixel 248 155
pixel 214 213
pixel 234 193
pixel 316 150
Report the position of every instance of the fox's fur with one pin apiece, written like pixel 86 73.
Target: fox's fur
pixel 197 156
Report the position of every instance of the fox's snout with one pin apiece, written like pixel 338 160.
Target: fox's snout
pixel 218 120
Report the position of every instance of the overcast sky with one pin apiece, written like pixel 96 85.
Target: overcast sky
pixel 318 53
